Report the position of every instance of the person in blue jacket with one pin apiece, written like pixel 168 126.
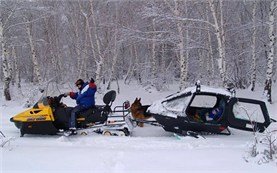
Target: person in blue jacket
pixel 85 99
pixel 217 112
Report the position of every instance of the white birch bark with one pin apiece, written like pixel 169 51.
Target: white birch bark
pixel 219 32
pixel 183 57
pixel 37 75
pixel 98 58
pixel 253 48
pixel 114 60
pixel 186 59
pixel 52 46
pixel 210 61
pixel 272 40
pixel 5 67
pixel 181 46
pixel 77 45
pixel 137 67
pixel 16 68
pixel 89 38
pixel 5 53
pixel 128 76
pixel 163 65
pixel 211 55
pixel 58 63
pixel 153 56
pixel 270 58
pixel 223 38
pixel 115 52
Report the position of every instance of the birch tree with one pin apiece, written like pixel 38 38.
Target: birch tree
pixel 181 46
pixel 115 51
pixel 253 47
pixel 130 70
pixel 210 61
pixel 4 51
pixel 182 37
pixel 36 68
pixel 271 44
pixel 75 37
pixel 16 68
pixel 154 56
pixel 220 36
pixel 133 39
pixel 88 36
pixel 98 58
pixel 6 72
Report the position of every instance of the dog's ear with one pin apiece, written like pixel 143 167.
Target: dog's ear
pixel 139 99
pixel 136 99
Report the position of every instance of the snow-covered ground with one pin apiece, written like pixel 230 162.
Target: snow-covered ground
pixel 149 149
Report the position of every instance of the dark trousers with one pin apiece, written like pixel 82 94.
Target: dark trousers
pixel 74 112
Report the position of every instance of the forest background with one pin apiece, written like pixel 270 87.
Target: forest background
pixel 155 42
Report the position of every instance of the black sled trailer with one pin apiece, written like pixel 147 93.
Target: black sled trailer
pixel 203 110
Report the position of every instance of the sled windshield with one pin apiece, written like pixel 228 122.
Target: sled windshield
pixel 172 106
pixel 204 101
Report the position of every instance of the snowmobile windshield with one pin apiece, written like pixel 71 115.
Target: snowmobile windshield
pixel 42 102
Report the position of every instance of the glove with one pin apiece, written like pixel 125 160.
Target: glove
pixel 66 94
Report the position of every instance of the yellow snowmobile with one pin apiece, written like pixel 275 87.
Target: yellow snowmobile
pixel 50 116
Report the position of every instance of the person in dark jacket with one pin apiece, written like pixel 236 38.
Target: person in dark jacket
pixel 85 99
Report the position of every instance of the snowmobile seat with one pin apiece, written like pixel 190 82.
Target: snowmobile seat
pixel 95 114
pixel 98 113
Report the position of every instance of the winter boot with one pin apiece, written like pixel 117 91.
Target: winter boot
pixel 70 132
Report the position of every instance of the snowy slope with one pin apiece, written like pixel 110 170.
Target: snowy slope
pixel 150 149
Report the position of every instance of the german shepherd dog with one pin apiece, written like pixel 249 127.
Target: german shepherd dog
pixel 139 112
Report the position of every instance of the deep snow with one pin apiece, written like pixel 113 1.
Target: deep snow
pixel 150 149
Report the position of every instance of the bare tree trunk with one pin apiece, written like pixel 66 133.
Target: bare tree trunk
pixel 181 45
pixel 210 60
pixel 137 67
pixel 112 69
pixel 16 69
pixel 270 58
pixel 130 68
pixel 58 58
pixel 5 66
pixel 36 71
pixel 253 47
pixel 183 59
pixel 6 75
pixel 219 32
pixel 114 59
pixel 163 65
pixel 154 58
pixel 115 52
pixel 50 43
pixel 77 45
pixel 82 56
pixel 99 59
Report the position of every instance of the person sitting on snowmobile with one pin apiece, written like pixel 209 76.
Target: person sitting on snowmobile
pixel 84 99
